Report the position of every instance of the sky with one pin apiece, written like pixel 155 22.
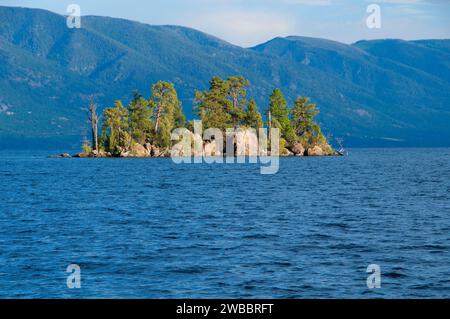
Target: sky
pixel 250 22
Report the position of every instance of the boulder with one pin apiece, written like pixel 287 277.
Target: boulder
pixel 315 151
pixel 286 153
pixel 196 138
pixel 104 154
pixel 246 143
pixel 155 152
pixel 81 155
pixel 210 149
pixel 100 153
pixel 124 154
pixel 328 150
pixel 177 151
pixel 64 155
pixel 148 147
pixel 165 153
pixel 298 149
pixel 263 152
pixel 138 150
pixel 275 152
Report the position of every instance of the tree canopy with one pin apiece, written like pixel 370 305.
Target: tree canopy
pixel 279 112
pixel 224 105
pixel 303 115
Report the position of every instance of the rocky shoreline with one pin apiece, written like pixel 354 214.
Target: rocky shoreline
pixel 209 150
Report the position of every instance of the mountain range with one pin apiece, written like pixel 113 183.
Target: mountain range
pixel 370 93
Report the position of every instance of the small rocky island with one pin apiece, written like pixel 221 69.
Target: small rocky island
pixel 144 127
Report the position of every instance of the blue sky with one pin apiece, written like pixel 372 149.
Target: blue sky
pixel 250 22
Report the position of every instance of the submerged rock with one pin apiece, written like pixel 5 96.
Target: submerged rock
pixel 63 155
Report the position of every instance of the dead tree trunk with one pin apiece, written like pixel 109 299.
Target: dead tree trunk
pixel 270 127
pixel 93 118
pixel 158 116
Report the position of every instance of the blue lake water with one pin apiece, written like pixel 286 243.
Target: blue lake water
pixel 148 228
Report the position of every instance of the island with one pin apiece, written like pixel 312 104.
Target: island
pixel 143 128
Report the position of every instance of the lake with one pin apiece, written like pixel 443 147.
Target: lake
pixel 148 228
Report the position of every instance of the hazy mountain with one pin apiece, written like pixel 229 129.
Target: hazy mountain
pixel 386 92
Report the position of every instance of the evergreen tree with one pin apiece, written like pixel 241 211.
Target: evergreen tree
pixel 212 106
pixel 280 116
pixel 115 126
pixel 179 117
pixel 303 115
pixel 140 123
pixel 237 92
pixel 167 112
pixel 252 117
pixel 223 106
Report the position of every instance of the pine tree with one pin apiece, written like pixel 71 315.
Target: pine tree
pixel 237 93
pixel 212 106
pixel 167 112
pixel 223 105
pixel 252 117
pixel 303 115
pixel 115 127
pixel 280 116
pixel 140 123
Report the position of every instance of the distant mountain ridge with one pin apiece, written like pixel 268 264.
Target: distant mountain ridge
pixel 371 93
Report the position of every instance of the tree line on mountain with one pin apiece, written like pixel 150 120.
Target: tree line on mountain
pixel 224 105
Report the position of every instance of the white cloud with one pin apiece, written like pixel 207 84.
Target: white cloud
pixel 244 28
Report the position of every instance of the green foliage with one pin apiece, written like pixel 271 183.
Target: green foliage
pixel 237 92
pixel 167 112
pixel 252 116
pixel 280 116
pixel 86 148
pixel 143 120
pixel 163 135
pixel 179 116
pixel 140 122
pixel 303 115
pixel 115 56
pixel 115 132
pixel 222 106
pixel 212 105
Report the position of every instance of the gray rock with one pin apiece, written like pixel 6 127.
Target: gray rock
pixel 298 149
pixel 315 151
pixel 156 152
